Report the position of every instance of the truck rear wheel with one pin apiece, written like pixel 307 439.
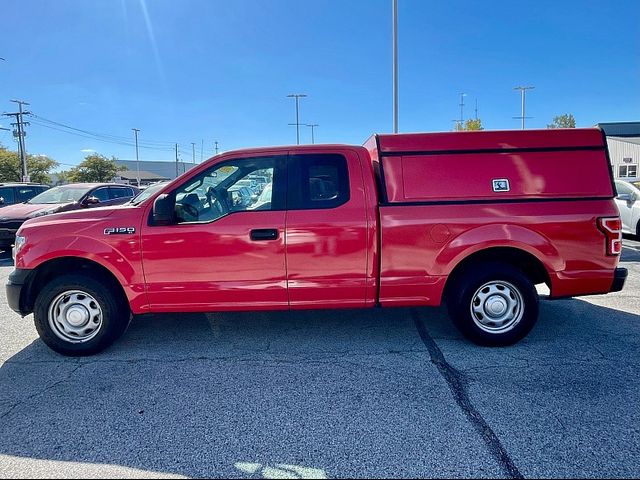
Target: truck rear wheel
pixel 493 304
pixel 77 315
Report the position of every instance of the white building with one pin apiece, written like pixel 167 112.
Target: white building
pixel 623 140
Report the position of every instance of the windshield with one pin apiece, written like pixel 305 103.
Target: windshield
pixel 64 194
pixel 148 192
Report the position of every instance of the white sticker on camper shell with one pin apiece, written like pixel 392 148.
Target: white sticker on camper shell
pixel 501 185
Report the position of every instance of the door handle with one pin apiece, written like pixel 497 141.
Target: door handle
pixel 264 234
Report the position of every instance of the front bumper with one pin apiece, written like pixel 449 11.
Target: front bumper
pixel 619 277
pixel 17 282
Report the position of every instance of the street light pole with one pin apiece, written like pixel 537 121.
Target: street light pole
pixel 395 66
pixel 312 125
pixel 462 95
pixel 135 132
pixel 523 91
pixel 297 96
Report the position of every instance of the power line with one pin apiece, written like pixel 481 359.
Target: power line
pixel 97 134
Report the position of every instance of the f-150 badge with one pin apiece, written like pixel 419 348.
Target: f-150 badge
pixel 119 230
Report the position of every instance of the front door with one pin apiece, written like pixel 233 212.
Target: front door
pixel 220 253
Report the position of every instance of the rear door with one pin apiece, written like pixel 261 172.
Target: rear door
pixel 326 231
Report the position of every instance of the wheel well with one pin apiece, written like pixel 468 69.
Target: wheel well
pixel 44 273
pixel 526 262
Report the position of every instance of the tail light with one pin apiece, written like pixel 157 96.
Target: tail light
pixel 612 228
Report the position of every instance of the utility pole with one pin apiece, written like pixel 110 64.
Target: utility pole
pixel 395 66
pixel 312 125
pixel 297 96
pixel 216 146
pixel 476 109
pixel 462 95
pixel 523 91
pixel 135 133
pixel 20 133
pixel 193 148
pixel 201 150
pixel 176 160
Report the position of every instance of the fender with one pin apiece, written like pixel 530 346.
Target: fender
pixel 121 256
pixel 490 236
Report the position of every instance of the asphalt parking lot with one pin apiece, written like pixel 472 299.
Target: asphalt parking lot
pixel 380 393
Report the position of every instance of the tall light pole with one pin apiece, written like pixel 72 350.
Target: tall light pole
pixel 216 146
pixel 523 91
pixel 312 125
pixel 193 148
pixel 135 133
pixel 395 66
pixel 297 96
pixel 462 95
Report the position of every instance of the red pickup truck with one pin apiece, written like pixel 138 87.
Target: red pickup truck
pixel 474 219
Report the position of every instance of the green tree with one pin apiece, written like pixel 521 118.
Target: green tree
pixel 94 168
pixel 38 166
pixel 469 125
pixel 565 120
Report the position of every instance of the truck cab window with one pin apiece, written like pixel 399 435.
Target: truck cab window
pixel 228 188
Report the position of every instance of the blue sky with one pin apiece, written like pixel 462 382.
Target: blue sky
pixel 192 70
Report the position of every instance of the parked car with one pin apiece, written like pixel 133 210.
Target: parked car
pixel 61 199
pixel 628 202
pixel 11 193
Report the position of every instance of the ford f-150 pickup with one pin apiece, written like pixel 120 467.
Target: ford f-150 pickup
pixel 473 219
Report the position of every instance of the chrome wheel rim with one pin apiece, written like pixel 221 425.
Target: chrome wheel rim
pixel 497 307
pixel 75 316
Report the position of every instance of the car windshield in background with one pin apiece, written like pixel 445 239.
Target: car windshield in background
pixel 148 192
pixel 64 194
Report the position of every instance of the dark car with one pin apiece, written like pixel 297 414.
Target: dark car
pixel 11 193
pixel 61 199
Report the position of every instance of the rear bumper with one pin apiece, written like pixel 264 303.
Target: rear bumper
pixel 619 277
pixel 16 283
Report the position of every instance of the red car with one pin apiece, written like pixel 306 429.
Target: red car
pixel 472 219
pixel 60 199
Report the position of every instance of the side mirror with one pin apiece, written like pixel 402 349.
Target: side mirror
pixel 90 201
pixel 1 200
pixel 627 197
pixel 163 210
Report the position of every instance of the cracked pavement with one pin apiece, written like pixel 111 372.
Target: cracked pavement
pixel 358 393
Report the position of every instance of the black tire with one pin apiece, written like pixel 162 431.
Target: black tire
pixel 500 281
pixel 115 314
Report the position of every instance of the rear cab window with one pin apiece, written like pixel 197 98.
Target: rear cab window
pixel 317 181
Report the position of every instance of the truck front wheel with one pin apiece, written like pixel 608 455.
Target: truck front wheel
pixel 77 315
pixel 493 304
